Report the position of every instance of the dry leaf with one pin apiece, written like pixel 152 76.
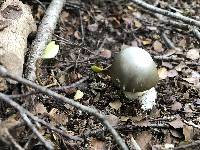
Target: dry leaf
pixel 137 24
pixel 193 54
pixel 176 106
pixel 96 144
pixel 40 108
pixel 162 73
pixel 3 85
pixel 172 73
pixel 124 118
pixel 64 16
pixel 112 119
pixel 115 105
pixel 99 18
pixel 177 123
pixel 188 132
pixel 176 133
pixel 130 8
pixel 78 95
pixel 167 65
pixel 157 46
pixel 187 109
pixel 143 139
pixel 77 35
pixel 93 27
pixel 105 53
pixel 58 117
pixel 182 43
pixel 191 80
pixel 53 111
pixel 146 42
pixel 180 66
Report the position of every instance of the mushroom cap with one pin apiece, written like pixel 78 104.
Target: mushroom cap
pixel 135 70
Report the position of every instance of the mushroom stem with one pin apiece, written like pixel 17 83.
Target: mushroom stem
pixel 146 98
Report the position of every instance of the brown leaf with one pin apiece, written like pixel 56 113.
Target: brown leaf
pixel 77 35
pixel 193 54
pixel 172 73
pixel 3 84
pixel 188 132
pixel 124 118
pixel 167 65
pixel 157 46
pixel 143 139
pixel 176 106
pixel 64 16
pixel 191 80
pixel 58 117
pixel 137 24
pixel 40 108
pixel 162 73
pixel 112 119
pixel 146 42
pixel 93 27
pixel 96 144
pixel 115 105
pixel 180 66
pixel 176 133
pixel 99 17
pixel 177 123
pixel 105 53
pixel 182 43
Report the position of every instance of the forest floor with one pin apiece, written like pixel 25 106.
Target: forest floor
pixel 92 33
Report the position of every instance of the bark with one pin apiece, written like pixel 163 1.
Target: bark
pixel 16 23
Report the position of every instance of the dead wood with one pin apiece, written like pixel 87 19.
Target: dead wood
pixel 16 23
pixel 44 35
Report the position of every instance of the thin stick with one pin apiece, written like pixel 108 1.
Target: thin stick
pixel 22 111
pixel 4 73
pixel 177 16
pixel 43 36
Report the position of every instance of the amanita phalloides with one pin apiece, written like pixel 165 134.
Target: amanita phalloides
pixel 135 71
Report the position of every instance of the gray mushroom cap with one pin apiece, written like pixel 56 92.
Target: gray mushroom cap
pixel 135 70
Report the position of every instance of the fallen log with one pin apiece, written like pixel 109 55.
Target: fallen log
pixel 16 23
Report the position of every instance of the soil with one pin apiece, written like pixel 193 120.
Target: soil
pixel 91 33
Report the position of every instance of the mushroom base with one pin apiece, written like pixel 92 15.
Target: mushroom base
pixel 146 98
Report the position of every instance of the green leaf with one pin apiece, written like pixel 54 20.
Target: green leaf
pixel 51 50
pixel 96 69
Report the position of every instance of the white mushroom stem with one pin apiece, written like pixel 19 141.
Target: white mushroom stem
pixel 146 98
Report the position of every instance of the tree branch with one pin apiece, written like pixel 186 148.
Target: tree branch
pixel 4 73
pixel 167 13
pixel 44 34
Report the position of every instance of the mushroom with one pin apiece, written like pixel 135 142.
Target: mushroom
pixel 135 71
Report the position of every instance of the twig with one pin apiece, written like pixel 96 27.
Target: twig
pixel 72 44
pixel 137 147
pixel 26 119
pixel 196 32
pixel 43 36
pixel 71 85
pixel 12 140
pixel 102 44
pixel 61 132
pixel 82 28
pixel 190 123
pixel 177 16
pixel 28 143
pixel 62 88
pixel 168 42
pixel 195 143
pixel 168 58
pixel 41 4
pixel 4 73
